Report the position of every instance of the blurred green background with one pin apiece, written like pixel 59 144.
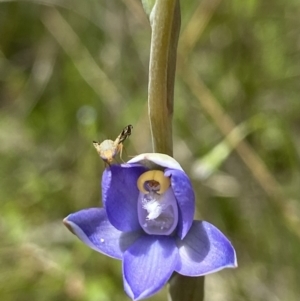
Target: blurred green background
pixel 76 71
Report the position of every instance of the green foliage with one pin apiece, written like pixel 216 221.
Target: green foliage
pixel 73 72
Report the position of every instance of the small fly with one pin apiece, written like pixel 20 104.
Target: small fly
pixel 108 149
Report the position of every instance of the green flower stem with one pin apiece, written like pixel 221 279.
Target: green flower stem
pixel 164 18
pixel 165 24
pixel 183 288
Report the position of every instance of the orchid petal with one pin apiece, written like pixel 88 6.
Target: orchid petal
pixel 93 228
pixel 184 193
pixel 205 250
pixel 148 264
pixel 120 195
pixel 157 158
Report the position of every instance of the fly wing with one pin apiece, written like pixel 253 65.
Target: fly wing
pixel 125 133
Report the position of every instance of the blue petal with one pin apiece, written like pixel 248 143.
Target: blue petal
pixel 93 228
pixel 205 250
pixel 120 195
pixel 184 193
pixel 158 159
pixel 148 264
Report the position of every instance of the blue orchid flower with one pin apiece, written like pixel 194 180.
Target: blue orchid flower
pixel 147 222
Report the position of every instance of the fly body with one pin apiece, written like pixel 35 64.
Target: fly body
pixel 108 149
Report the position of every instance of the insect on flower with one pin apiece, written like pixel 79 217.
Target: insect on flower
pixel 108 149
pixel 151 228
